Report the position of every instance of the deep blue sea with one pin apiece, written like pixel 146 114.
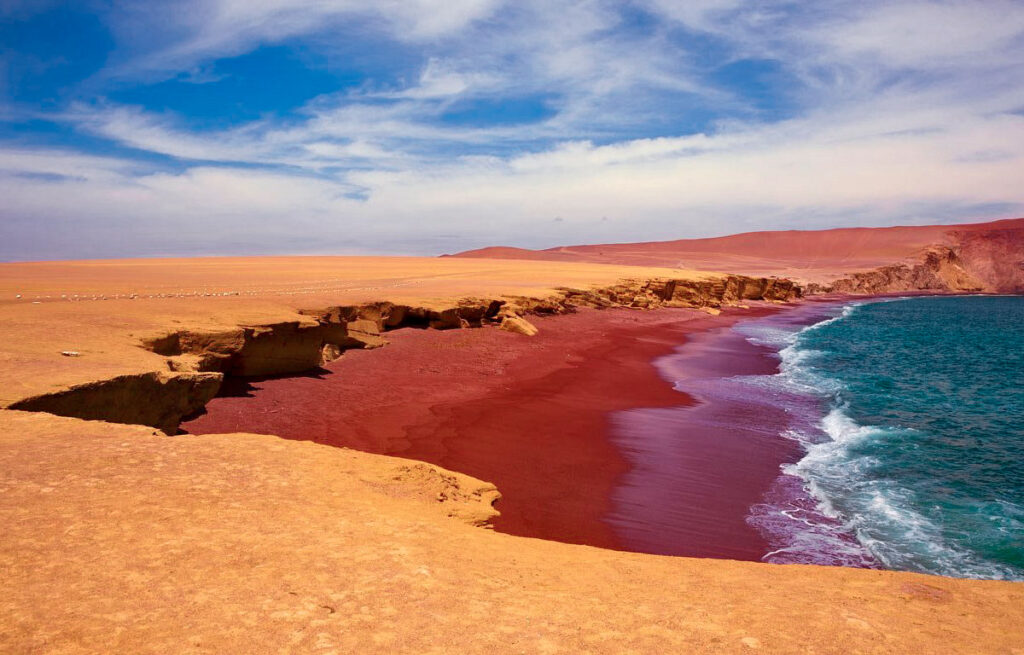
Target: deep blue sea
pixel 911 412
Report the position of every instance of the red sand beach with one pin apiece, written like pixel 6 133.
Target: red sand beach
pixel 696 471
pixel 536 417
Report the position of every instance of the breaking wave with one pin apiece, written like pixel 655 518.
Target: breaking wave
pixel 896 473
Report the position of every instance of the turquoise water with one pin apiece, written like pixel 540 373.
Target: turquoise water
pixel 918 452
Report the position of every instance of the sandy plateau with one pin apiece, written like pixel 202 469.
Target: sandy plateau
pixel 119 538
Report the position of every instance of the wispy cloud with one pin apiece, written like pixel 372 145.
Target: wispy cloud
pixel 174 35
pixel 642 120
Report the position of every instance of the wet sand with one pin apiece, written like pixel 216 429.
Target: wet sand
pixel 696 471
pixel 582 433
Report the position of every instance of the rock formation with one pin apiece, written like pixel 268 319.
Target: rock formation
pixel 519 325
pixel 198 361
pixel 159 400
pixel 941 259
pixel 939 269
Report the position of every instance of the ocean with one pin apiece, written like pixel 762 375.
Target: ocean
pixel 911 416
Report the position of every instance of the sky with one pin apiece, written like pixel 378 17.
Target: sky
pixel 209 127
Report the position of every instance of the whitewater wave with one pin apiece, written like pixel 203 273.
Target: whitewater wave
pixel 829 507
pixel 880 513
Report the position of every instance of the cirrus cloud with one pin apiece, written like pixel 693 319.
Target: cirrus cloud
pixel 478 122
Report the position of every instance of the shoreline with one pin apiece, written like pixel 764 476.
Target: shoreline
pixel 579 490
pixel 656 452
pixel 861 495
pixel 713 459
pixel 487 403
pixel 718 460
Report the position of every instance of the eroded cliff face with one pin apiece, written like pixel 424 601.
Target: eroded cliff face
pixel 940 269
pixel 320 337
pixel 996 257
pixel 987 261
pixel 197 361
pixel 292 347
pixel 156 399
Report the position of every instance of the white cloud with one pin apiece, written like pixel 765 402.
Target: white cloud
pixel 793 175
pixel 696 14
pixel 192 30
pixel 929 35
pixel 440 80
pixel 902 112
pixel 62 164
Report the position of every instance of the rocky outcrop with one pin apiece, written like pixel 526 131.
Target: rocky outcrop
pixel 940 269
pixel 732 289
pixel 296 346
pixel 518 325
pixel 987 259
pixel 159 400
pixel 197 361
pixel 713 292
pixel 459 496
pixel 994 257
pixel 273 349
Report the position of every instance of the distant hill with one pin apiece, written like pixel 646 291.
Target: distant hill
pixel 987 256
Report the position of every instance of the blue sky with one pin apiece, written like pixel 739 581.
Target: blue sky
pixel 429 126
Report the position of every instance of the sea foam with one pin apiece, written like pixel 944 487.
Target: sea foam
pixel 845 502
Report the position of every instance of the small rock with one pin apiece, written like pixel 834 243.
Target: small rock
pixel 71 353
pixel 329 353
pixel 519 325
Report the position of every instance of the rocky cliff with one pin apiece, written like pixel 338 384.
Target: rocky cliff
pixel 156 399
pixel 940 269
pixel 985 261
pixel 196 362
pixel 995 257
